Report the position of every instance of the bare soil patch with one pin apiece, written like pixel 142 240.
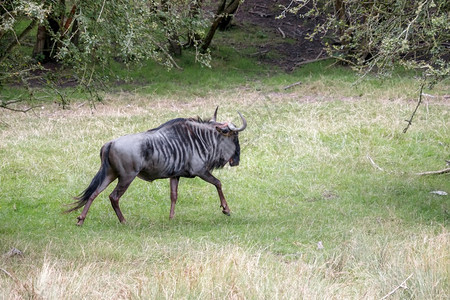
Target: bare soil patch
pixel 293 47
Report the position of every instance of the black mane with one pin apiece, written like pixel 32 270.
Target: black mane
pixel 180 120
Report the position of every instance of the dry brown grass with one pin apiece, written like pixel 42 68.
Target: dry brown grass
pixel 362 270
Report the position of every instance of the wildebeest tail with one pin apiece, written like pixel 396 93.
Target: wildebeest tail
pixel 96 181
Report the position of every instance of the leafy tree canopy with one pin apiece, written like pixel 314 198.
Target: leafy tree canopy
pixel 87 35
pixel 378 35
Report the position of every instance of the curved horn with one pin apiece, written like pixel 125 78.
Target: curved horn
pixel 213 119
pixel 244 124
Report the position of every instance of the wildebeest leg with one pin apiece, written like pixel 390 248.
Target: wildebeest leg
pixel 100 189
pixel 208 177
pixel 173 195
pixel 118 191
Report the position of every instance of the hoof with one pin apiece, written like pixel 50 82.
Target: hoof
pixel 226 212
pixel 80 221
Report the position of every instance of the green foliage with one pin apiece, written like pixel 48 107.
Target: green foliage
pixel 17 19
pixel 127 31
pixel 380 35
pixel 92 36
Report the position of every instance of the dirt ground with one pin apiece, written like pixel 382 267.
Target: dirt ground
pixel 263 14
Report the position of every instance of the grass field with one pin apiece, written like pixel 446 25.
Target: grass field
pixel 325 203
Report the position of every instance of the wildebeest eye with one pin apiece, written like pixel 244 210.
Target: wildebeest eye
pixel 224 130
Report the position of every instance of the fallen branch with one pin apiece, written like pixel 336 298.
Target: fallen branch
pixel 443 171
pixel 292 85
pixel 312 61
pixel 4 105
pixel 373 163
pixel 402 285
pixel 260 53
pixel 428 95
pixel 447 170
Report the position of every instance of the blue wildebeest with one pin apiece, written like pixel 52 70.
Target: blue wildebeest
pixel 177 148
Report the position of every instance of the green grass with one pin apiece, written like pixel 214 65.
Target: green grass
pixel 228 70
pixel 304 178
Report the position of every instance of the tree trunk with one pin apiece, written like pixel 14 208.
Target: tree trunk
pixel 39 46
pixel 15 42
pixel 222 12
pixel 46 47
pixel 225 24
pixel 339 10
pixel 75 33
pixel 174 45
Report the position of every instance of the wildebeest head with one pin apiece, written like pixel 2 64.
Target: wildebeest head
pixel 230 136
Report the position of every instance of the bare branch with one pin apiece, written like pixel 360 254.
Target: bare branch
pixel 17 110
pixel 292 85
pixel 7 273
pixel 402 285
pixel 6 105
pixel 373 163
pixel 282 32
pixel 314 60
pixel 169 57
pixel 443 171
pixel 415 110
pixel 10 102
pixel 101 10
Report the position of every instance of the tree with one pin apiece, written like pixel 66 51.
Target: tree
pixel 86 36
pixel 10 13
pixel 378 35
pixel 45 47
pixel 17 65
pixel 222 18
